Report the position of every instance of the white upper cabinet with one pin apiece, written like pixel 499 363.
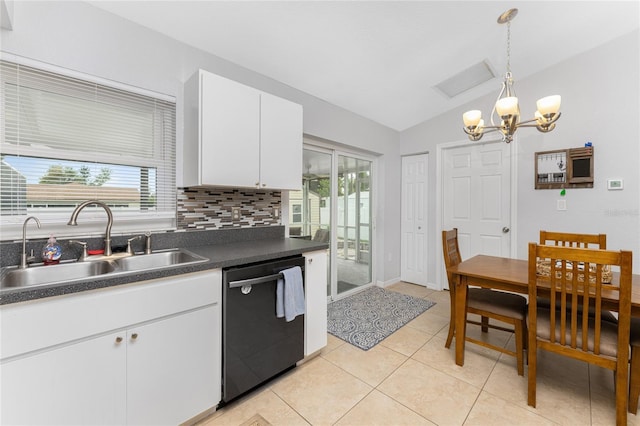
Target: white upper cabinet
pixel 238 136
pixel 280 143
pixel 229 133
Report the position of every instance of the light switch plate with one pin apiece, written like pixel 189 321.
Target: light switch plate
pixel 276 213
pixel 562 205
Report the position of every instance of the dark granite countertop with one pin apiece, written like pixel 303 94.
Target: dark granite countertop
pixel 220 255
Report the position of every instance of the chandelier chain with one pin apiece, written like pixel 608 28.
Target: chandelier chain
pixel 509 47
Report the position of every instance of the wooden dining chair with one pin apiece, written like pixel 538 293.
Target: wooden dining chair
pixel 489 304
pixel 575 284
pixel 567 239
pixel 634 375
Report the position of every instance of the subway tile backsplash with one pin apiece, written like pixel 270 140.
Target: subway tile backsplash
pixel 211 208
pixel 198 209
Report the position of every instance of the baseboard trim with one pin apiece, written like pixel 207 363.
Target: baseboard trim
pixel 387 283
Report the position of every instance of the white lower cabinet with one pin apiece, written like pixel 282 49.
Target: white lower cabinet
pixel 315 324
pixel 79 384
pixel 156 361
pixel 172 372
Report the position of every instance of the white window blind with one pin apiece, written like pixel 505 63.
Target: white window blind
pixel 66 140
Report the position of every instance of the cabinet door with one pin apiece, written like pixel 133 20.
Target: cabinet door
pixel 316 301
pixel 174 368
pixel 79 384
pixel 229 133
pixel 280 143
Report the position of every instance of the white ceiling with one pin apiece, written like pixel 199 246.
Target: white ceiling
pixel 381 59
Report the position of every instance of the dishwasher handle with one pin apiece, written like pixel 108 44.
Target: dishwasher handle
pixel 258 280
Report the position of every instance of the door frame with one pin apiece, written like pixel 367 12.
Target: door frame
pixel 441 148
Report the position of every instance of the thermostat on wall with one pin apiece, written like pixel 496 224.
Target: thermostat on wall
pixel 614 184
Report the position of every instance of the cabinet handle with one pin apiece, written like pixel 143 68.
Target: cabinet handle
pixel 134 336
pixel 264 184
pixel 118 339
pixel 257 183
pixel 310 260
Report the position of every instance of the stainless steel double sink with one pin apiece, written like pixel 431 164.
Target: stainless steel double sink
pixel 96 266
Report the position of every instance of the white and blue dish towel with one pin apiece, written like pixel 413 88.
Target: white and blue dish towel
pixel 290 294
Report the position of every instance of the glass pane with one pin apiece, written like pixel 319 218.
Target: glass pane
pixel 310 208
pixel 353 223
pixel 30 185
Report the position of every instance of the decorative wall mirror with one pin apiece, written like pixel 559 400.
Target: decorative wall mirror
pixel 564 168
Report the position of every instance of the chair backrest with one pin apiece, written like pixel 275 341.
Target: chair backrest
pixel 575 284
pixel 566 239
pixel 451 252
pixel 321 235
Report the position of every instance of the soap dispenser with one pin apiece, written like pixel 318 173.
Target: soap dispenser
pixel 52 252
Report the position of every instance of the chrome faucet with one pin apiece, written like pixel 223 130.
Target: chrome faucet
pixel 24 258
pixel 107 234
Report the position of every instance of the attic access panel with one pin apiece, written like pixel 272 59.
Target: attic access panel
pixel 564 168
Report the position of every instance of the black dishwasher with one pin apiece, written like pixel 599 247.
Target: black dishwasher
pixel 256 345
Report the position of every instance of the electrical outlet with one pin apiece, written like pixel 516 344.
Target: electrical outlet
pixel 235 213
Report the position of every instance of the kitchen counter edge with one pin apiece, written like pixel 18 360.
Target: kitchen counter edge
pixel 219 255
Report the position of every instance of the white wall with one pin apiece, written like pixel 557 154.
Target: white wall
pixel 600 103
pixel 81 37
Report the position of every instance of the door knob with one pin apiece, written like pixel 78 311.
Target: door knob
pixel 505 230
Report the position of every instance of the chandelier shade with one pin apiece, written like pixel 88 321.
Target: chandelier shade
pixel 507 108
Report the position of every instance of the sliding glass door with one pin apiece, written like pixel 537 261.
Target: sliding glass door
pixel 353 223
pixel 334 206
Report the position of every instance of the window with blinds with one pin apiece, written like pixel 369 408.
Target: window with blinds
pixel 66 140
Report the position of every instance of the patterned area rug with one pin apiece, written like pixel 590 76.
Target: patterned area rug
pixel 366 318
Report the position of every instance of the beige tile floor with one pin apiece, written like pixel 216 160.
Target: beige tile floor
pixel 411 379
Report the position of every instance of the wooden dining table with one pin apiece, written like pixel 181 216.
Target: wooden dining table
pixel 501 273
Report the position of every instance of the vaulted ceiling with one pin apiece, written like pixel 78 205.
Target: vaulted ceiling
pixel 382 59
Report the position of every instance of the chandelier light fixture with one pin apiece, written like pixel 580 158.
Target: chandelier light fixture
pixel 506 107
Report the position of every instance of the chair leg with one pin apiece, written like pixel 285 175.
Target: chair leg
pixel 452 321
pixel 622 389
pixel 485 324
pixel 634 383
pixel 452 327
pixel 525 340
pixel 532 354
pixel 519 330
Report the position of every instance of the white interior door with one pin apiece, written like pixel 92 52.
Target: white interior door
pixel 414 219
pixel 476 197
